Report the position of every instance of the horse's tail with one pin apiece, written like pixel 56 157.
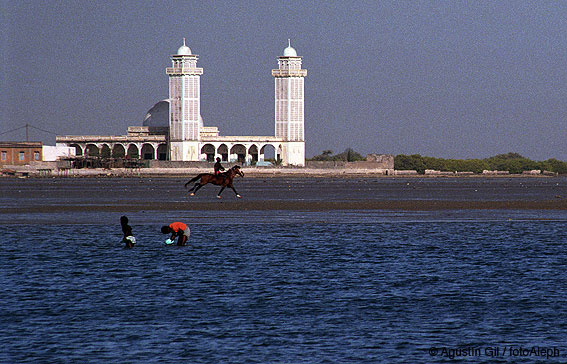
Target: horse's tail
pixel 194 179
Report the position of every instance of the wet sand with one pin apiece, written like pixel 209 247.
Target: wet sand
pixel 243 205
pixel 254 172
pixel 63 195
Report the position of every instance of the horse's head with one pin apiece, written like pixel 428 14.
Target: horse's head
pixel 237 170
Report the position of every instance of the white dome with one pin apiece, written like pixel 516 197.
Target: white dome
pixel 158 115
pixel 184 50
pixel 289 51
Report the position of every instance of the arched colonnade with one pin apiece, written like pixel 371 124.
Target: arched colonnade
pixel 246 153
pixel 145 150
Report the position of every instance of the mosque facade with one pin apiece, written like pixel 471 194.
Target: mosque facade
pixel 173 128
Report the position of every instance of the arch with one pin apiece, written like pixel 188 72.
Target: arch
pixel 209 150
pixel 78 149
pixel 105 151
pixel 279 154
pixel 133 151
pixel 162 152
pixel 268 153
pixel 238 153
pixel 253 154
pixel 148 151
pixel 92 150
pixel 118 151
pixel 222 150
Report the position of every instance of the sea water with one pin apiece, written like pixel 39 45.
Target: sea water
pixel 287 287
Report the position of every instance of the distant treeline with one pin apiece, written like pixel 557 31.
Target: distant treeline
pixel 512 162
pixel 348 155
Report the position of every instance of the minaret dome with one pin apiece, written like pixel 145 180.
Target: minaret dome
pixel 184 50
pixel 289 51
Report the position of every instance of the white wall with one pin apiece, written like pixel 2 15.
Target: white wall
pixel 294 154
pixel 53 152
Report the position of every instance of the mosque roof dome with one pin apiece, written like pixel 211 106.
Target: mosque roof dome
pixel 158 115
pixel 289 51
pixel 184 50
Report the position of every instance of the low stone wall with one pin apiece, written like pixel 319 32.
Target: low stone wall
pixel 438 173
pixel 180 164
pixel 385 163
pixel 487 172
pixel 386 159
pixel 447 173
pixel 405 172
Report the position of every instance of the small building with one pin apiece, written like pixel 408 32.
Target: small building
pixel 20 153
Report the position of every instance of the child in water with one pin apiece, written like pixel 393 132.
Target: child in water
pixel 177 229
pixel 129 240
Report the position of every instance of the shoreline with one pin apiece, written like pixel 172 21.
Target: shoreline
pixel 272 205
pixel 250 172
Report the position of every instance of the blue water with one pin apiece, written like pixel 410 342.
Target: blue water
pixel 282 286
pixel 286 287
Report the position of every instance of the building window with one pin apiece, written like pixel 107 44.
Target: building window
pixel 22 156
pixel 36 156
pixel 4 155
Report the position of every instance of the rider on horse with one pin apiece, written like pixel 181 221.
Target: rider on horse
pixel 222 179
pixel 218 166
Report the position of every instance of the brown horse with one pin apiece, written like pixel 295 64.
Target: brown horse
pixel 221 179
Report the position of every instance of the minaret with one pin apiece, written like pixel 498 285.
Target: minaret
pixel 184 104
pixel 289 101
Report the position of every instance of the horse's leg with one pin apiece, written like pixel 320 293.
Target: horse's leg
pixel 236 193
pixel 198 187
pixel 222 189
pixel 195 188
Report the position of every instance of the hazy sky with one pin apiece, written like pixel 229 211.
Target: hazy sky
pixel 451 79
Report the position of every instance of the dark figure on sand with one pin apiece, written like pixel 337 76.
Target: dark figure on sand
pixel 179 230
pixel 221 179
pixel 218 167
pixel 128 239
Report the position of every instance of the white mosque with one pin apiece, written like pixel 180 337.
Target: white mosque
pixel 173 128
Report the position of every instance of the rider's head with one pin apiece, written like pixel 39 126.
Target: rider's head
pixel 218 159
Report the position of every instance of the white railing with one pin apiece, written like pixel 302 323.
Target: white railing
pixel 289 73
pixel 183 71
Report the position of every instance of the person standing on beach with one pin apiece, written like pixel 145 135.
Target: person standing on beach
pixel 218 166
pixel 128 239
pixel 179 230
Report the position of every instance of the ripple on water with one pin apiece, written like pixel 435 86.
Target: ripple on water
pixel 345 290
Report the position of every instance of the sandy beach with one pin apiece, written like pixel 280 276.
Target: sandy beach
pixel 46 169
pixel 296 205
pixel 262 192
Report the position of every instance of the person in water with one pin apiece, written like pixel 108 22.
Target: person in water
pixel 128 239
pixel 179 230
pixel 218 167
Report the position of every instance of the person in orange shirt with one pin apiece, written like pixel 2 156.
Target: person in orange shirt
pixel 177 229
